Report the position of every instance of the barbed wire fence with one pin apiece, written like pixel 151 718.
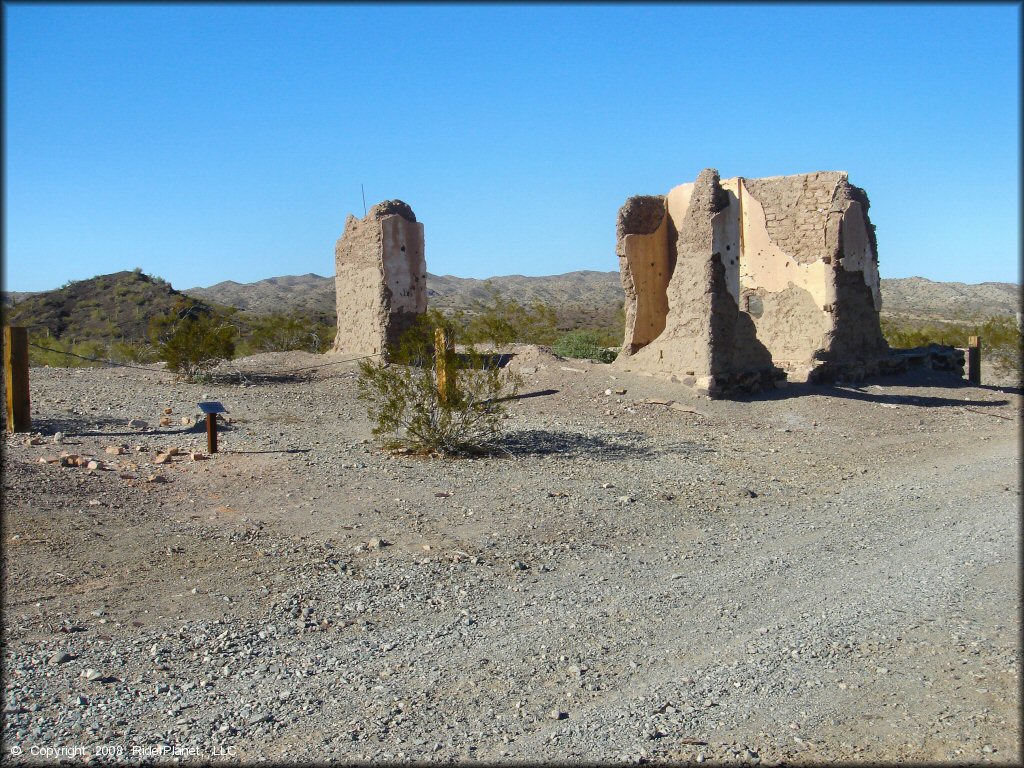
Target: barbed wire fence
pixel 245 376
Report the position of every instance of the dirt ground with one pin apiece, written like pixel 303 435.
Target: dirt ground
pixel 821 573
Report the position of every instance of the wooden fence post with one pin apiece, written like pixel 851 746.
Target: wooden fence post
pixel 19 414
pixel 974 360
pixel 443 348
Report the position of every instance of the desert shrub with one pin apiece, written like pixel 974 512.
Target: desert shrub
pixel 192 340
pixel 500 320
pixel 407 409
pixel 1000 337
pixel 46 350
pixel 280 332
pixel 134 352
pixel 584 345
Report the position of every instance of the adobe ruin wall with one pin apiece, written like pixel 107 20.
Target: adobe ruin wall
pixel 731 285
pixel 380 278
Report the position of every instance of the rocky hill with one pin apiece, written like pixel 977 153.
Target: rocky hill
pixel 115 306
pixel 920 298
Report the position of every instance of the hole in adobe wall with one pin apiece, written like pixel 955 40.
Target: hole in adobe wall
pixel 403 249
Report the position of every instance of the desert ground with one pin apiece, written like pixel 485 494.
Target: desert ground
pixel 821 573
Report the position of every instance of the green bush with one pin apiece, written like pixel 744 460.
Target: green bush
pixel 46 350
pixel 407 409
pixel 584 345
pixel 1000 337
pixel 132 352
pixel 279 332
pixel 503 321
pixel 192 340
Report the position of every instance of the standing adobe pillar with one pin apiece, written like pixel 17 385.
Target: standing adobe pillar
pixel 380 278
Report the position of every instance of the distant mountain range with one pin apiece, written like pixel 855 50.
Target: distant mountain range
pixel 601 292
pixel 121 304
pixel 578 297
pixel 920 298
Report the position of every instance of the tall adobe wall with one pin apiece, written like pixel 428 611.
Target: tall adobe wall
pixel 380 278
pixel 742 279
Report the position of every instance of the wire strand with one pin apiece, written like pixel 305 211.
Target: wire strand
pixel 158 370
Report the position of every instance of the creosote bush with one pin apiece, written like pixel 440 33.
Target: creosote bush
pixel 408 410
pixel 280 332
pixel 192 340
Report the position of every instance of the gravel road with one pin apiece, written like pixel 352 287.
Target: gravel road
pixel 817 574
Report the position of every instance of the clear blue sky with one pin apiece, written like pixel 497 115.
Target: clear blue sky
pixel 207 143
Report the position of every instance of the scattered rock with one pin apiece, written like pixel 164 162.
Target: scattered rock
pixel 138 424
pixel 162 458
pixel 115 450
pixel 61 657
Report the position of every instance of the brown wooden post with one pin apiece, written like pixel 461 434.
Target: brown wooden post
pixel 974 360
pixel 19 413
pixel 443 364
pixel 211 432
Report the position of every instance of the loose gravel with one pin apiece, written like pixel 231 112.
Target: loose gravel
pixel 817 574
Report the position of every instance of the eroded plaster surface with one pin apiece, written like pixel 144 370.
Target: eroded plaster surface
pixel 380 278
pixel 763 274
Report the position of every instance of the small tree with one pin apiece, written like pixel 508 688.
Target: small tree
pixel 403 399
pixel 191 339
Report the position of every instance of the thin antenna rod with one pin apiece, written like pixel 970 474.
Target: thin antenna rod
pixel 364 199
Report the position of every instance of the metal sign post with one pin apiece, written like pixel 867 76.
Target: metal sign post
pixel 211 409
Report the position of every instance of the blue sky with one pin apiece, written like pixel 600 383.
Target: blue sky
pixel 207 143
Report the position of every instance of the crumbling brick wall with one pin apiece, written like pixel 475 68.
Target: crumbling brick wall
pixel 764 276
pixel 380 278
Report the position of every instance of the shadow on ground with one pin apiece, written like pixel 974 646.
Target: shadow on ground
pixel 874 391
pixel 108 426
pixel 543 442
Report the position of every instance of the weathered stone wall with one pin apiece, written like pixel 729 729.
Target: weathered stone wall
pixel 765 274
pixel 644 266
pixel 380 278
